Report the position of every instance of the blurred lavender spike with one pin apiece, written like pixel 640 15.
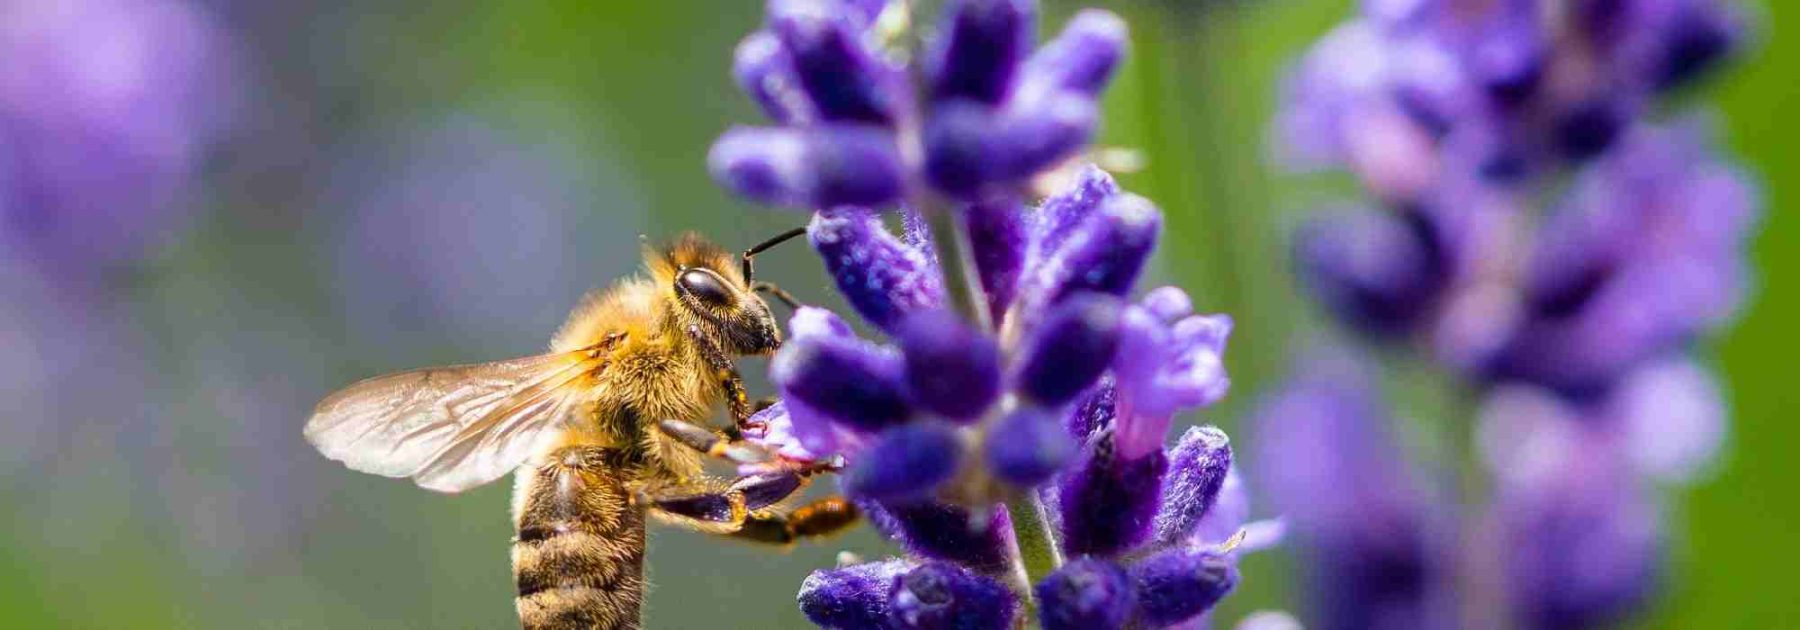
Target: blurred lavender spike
pixel 1368 546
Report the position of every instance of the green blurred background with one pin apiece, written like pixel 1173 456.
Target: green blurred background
pixel 414 184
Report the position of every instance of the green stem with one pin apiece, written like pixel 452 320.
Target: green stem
pixel 1031 531
pixel 961 285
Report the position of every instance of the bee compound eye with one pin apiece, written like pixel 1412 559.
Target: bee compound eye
pixel 706 287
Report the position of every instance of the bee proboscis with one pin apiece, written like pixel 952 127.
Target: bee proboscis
pixel 603 430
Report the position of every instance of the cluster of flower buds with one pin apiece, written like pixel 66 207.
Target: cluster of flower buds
pixel 1018 414
pixel 854 128
pixel 1151 545
pixel 1539 235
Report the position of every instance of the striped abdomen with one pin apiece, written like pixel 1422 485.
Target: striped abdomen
pixel 578 560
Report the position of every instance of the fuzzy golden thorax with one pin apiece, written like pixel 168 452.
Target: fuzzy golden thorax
pixel 709 295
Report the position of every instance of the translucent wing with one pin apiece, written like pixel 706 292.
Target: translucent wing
pixel 453 428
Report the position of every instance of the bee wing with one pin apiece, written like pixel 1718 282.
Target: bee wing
pixel 452 428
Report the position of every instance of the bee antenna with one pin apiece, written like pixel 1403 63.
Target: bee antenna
pixel 749 267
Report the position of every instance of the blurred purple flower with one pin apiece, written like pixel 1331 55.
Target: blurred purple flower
pixel 1371 553
pixel 107 108
pixel 453 213
pixel 1558 82
pixel 1568 479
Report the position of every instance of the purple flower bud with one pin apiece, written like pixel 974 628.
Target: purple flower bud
pixel 1510 59
pixel 1198 465
pixel 818 167
pixel 815 322
pixel 1168 303
pixel 999 239
pixel 946 532
pixel 880 276
pixel 951 369
pixel 905 462
pixel 1028 446
pixel 1031 138
pixel 1085 594
pixel 1377 270
pixel 763 71
pixel 940 596
pixel 960 148
pixel 982 46
pixel 853 597
pixel 844 78
pixel 1067 209
pixel 1589 128
pixel 1069 350
pixel 1104 254
pixel 1117 499
pixel 1179 584
pixel 969 147
pixel 854 383
pixel 1081 59
pixel 1695 40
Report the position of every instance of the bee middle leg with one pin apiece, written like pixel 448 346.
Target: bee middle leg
pixel 818 519
pixel 747 510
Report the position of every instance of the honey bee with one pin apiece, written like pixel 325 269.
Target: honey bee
pixel 601 431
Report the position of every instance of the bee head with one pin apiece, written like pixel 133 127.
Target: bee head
pixel 710 292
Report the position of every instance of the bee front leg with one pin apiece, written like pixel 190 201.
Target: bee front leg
pixel 737 401
pixel 714 443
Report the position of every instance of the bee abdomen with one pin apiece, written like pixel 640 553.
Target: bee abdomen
pixel 578 560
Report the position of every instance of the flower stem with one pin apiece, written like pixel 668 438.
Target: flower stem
pixel 961 285
pixel 1031 532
